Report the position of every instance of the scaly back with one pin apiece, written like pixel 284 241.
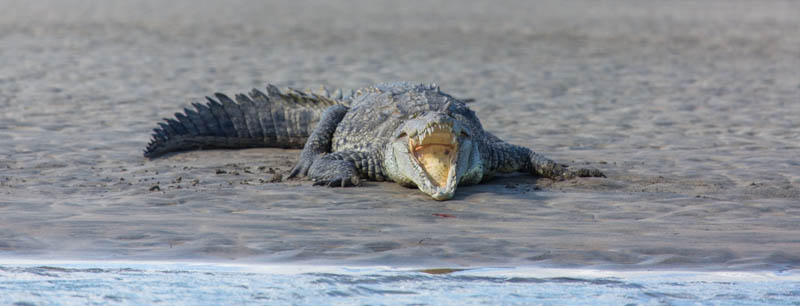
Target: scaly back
pixel 376 112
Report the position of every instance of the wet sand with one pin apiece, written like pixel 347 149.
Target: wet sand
pixel 691 109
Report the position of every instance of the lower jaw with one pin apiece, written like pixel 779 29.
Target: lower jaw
pixel 443 192
pixel 440 196
pixel 436 160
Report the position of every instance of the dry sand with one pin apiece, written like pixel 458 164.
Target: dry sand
pixel 691 108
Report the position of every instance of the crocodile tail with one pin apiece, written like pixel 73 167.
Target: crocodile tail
pixel 273 119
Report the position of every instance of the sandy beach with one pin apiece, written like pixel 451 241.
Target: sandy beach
pixel 691 108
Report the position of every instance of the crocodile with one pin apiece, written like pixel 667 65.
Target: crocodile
pixel 413 134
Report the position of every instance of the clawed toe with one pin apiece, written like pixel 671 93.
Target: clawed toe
pixel 589 172
pixel 300 170
pixel 294 173
pixel 571 173
pixel 338 182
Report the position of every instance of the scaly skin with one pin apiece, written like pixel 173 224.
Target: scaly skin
pixel 394 131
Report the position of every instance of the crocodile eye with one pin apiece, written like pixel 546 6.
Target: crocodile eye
pixel 464 134
pixel 402 134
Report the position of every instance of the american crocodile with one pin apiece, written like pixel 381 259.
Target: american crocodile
pixel 412 134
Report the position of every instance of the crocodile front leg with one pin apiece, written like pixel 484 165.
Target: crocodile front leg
pixel 319 142
pixel 344 169
pixel 506 157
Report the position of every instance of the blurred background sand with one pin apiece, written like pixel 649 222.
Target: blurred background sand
pixel 692 108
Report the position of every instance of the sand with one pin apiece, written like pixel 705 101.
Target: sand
pixel 691 108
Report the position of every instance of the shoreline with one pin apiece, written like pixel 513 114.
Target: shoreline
pixel 686 274
pixel 328 264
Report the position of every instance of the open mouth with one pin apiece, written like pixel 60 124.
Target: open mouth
pixel 434 150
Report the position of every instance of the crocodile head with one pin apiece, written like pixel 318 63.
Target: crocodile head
pixel 434 152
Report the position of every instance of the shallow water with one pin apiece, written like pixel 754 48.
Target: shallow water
pixel 210 284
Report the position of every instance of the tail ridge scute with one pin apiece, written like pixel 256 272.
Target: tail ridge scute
pixel 197 121
pixel 207 118
pixel 258 119
pixel 186 123
pixel 177 126
pixel 263 109
pixel 250 118
pixel 222 117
